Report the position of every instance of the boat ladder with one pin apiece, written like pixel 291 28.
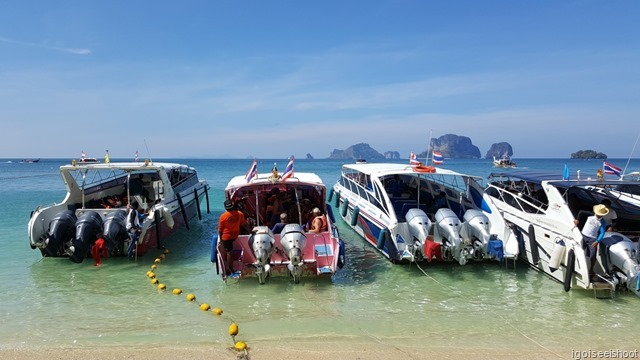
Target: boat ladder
pixel 603 288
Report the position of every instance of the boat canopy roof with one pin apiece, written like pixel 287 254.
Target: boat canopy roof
pixel 127 166
pixel 555 177
pixel 267 179
pixel 384 169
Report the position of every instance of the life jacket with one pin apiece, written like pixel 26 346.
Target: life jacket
pixel 323 225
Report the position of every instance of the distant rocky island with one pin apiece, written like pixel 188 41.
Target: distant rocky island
pixel 588 154
pixel 450 145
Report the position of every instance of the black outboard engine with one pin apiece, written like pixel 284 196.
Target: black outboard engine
pixel 88 226
pixel 61 230
pixel 115 231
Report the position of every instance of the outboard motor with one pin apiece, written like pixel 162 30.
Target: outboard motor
pixel 419 227
pixel 475 231
pixel 115 230
pixel 447 231
pixel 620 258
pixel 262 246
pixel 293 242
pixel 61 230
pixel 88 226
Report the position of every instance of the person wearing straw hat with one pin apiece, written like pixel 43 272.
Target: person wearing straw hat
pixel 593 232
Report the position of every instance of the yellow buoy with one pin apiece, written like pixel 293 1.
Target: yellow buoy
pixel 154 266
pixel 154 281
pixel 216 311
pixel 233 329
pixel 205 307
pixel 241 345
pixel 162 256
pixel 177 291
pixel 157 261
pixel 151 274
pixel 166 251
pixel 191 297
pixel 162 286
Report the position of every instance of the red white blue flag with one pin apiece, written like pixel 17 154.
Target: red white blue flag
pixel 253 171
pixel 611 169
pixel 413 161
pixel 437 158
pixel 288 171
pixel 83 156
pixel 137 158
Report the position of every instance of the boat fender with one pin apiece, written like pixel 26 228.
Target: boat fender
pixel 182 210
pixel 214 248
pixel 330 195
pixel 345 207
pixel 341 256
pixel 571 263
pixel 354 215
pixel 168 218
pixel 195 195
pixel 382 238
pixel 535 254
pixel 156 221
pixel 556 255
pixel 337 203
pixel 330 213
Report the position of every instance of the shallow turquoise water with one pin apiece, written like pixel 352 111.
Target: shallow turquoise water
pixel 55 303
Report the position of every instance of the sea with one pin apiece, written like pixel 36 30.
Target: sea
pixel 54 303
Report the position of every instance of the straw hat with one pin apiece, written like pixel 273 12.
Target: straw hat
pixel 600 210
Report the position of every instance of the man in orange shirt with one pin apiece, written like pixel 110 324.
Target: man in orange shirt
pixel 229 225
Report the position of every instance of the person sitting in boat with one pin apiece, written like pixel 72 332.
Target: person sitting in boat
pixel 318 222
pixel 397 186
pixel 277 228
pixel 136 186
pixel 593 232
pixel 439 202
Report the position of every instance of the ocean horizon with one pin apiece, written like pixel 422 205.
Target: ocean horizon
pixel 54 303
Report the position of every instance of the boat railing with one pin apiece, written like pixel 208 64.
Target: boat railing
pixel 516 199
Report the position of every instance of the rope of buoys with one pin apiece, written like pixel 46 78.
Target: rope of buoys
pixel 494 312
pixel 233 330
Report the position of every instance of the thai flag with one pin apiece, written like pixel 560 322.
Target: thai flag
pixel 83 156
pixel 288 171
pixel 253 171
pixel 137 158
pixel 413 161
pixel 611 169
pixel 437 158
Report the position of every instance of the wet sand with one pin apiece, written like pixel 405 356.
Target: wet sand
pixel 284 351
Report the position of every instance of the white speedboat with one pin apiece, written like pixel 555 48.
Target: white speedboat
pixel 96 202
pixel 415 213
pixel 504 162
pixel 293 251
pixel 547 214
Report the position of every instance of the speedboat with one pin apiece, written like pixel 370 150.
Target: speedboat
pixel 504 162
pixel 547 212
pixel 416 213
pixel 96 202
pixel 294 251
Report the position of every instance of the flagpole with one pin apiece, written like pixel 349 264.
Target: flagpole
pixel 630 156
pixel 428 148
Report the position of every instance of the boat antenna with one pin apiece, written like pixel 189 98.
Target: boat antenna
pixel 630 155
pixel 148 153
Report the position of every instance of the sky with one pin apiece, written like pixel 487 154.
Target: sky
pixel 271 79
